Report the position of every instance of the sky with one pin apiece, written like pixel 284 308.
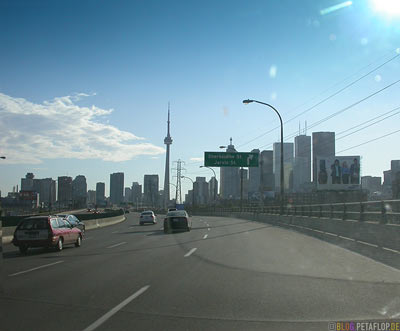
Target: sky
pixel 85 85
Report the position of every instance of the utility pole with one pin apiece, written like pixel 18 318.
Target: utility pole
pixel 178 194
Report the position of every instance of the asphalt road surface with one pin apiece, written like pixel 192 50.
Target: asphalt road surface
pixel 225 274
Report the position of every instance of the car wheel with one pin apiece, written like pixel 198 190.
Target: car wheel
pixel 59 246
pixel 78 242
pixel 23 249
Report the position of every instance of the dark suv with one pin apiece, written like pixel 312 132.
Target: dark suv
pixel 45 231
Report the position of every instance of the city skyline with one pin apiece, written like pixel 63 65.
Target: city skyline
pixel 95 112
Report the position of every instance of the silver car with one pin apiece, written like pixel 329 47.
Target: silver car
pixel 147 217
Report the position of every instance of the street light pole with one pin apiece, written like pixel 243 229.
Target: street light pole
pixel 282 166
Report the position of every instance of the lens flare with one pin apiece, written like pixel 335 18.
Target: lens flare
pixel 388 7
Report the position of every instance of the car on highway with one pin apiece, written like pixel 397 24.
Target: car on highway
pixel 177 220
pixel 74 221
pixel 148 216
pixel 46 231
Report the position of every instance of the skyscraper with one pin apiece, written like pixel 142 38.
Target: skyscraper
pixel 117 188
pixel 230 179
pixel 167 142
pixel 136 193
pixel 79 191
pixel 201 191
pixel 150 189
pixel 323 146
pixel 302 162
pixel 100 194
pixel 128 194
pixel 267 171
pixel 64 191
pixel 287 163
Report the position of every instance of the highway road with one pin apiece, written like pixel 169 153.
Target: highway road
pixel 225 274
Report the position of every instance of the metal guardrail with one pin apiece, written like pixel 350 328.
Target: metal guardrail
pixel 383 211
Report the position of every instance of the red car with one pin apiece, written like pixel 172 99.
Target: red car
pixel 45 231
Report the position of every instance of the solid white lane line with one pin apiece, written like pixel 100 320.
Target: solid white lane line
pixel 190 252
pixel 205 236
pixel 318 231
pixel 208 229
pixel 40 267
pixel 116 245
pixel 113 311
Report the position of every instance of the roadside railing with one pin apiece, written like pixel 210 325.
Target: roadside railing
pixel 383 211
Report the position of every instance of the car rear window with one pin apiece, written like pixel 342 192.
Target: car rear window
pixel 177 213
pixel 34 224
pixel 147 213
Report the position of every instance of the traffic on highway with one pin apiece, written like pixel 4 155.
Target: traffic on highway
pixel 225 274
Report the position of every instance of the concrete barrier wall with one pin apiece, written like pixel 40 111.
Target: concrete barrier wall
pixel 382 235
pixel 8 232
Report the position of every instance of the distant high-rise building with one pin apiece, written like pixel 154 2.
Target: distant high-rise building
pixel 30 183
pixel 255 177
pixel 213 189
pixel 371 184
pixel 287 163
pixel 117 188
pixel 201 191
pixel 136 193
pixel 323 146
pixel 302 162
pixel 64 197
pixel 79 191
pixel 229 179
pixel 150 189
pixel 47 192
pixel 91 197
pixel 395 166
pixel 100 194
pixel 128 194
pixel 267 171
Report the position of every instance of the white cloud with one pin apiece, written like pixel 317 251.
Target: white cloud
pixel 60 128
pixel 196 159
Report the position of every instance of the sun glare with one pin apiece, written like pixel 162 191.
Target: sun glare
pixel 387 7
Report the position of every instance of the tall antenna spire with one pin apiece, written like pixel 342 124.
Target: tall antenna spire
pixel 168 134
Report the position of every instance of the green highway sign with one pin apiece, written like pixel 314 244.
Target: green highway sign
pixel 229 159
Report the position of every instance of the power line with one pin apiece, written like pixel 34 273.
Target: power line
pixel 369 141
pixel 339 112
pixel 328 97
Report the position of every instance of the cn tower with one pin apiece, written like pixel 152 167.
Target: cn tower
pixel 168 142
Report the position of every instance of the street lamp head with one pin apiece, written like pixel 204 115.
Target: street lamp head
pixel 247 101
pixel 201 167
pixel 222 147
pixel 2 157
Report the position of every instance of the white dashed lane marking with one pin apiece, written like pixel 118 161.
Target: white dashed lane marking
pixel 190 252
